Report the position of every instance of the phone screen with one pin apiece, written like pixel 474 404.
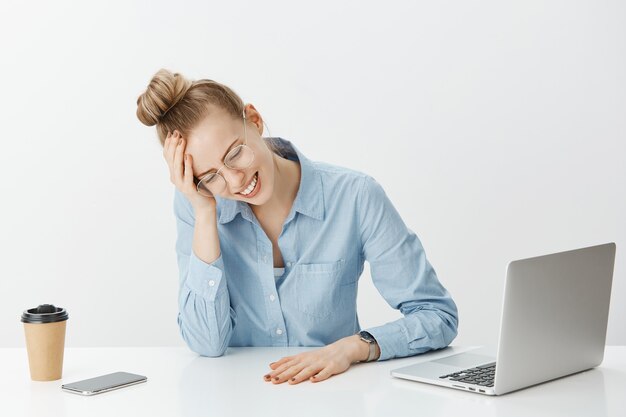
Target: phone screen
pixel 104 383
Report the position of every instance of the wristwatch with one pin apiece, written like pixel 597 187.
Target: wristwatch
pixel 369 339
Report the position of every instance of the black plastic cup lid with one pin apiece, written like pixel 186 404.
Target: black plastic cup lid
pixel 44 313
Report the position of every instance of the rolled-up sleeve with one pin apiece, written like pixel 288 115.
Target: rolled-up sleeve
pixel 205 318
pixel 405 279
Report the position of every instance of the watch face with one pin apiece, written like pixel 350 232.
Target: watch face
pixel 367 336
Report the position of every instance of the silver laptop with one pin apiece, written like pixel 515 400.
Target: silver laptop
pixel 554 319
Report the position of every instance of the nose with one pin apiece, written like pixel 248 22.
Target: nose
pixel 234 178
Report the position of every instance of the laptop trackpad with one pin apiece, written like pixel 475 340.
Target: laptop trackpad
pixel 465 360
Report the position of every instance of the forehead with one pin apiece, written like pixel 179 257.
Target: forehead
pixel 214 132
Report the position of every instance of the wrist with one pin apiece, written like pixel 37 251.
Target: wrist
pixel 205 213
pixel 360 349
pixel 357 350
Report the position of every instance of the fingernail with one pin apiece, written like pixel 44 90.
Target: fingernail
pixel 293 379
pixel 272 363
pixel 266 377
pixel 180 141
pixel 275 378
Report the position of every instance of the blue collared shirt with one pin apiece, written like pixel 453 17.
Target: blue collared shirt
pixel 339 219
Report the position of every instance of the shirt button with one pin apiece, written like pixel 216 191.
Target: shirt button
pixel 211 283
pixel 289 264
pixel 279 331
pixel 265 259
pixel 272 298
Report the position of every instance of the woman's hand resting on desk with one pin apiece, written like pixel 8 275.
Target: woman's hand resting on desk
pixel 320 364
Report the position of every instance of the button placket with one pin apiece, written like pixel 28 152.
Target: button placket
pixel 265 256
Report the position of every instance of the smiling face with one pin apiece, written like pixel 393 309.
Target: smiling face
pixel 218 133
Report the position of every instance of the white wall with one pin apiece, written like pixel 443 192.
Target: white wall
pixel 496 128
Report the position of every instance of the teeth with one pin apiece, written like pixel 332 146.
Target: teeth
pixel 250 187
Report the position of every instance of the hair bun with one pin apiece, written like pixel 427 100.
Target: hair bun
pixel 164 90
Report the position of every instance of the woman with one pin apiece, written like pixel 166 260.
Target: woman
pixel 270 245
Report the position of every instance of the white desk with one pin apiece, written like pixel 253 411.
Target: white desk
pixel 181 383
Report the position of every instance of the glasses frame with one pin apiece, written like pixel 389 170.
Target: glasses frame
pixel 224 164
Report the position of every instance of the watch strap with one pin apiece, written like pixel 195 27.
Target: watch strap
pixel 367 337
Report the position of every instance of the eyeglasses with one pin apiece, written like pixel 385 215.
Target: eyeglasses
pixel 240 157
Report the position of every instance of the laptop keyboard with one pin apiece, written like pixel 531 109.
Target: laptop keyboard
pixel 481 375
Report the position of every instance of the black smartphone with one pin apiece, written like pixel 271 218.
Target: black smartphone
pixel 103 383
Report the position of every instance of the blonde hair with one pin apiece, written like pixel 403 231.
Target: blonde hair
pixel 172 102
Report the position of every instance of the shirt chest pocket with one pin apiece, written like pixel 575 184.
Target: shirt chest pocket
pixel 320 288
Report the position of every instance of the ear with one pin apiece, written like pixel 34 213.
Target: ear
pixel 252 115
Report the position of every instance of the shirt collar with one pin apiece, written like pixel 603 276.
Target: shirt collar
pixel 309 199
